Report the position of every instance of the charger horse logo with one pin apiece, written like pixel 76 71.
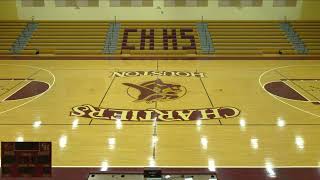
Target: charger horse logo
pixel 153 91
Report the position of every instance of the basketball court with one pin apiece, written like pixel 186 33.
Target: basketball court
pixel 146 113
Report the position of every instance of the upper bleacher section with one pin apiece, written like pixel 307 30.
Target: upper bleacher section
pixel 173 38
pixel 9 32
pixel 245 37
pixel 68 37
pixel 309 32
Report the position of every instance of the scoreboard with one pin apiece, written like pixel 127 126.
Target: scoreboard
pixel 26 159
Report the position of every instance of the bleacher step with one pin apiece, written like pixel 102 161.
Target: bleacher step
pixel 112 38
pixel 206 42
pixel 294 38
pixel 23 39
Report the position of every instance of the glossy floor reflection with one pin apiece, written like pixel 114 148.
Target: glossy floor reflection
pixel 225 118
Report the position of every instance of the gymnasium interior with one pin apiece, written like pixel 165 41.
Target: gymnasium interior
pixel 160 89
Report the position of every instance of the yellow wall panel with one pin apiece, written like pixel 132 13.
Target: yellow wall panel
pixel 8 10
pixel 212 12
pixel 310 10
pixel 305 10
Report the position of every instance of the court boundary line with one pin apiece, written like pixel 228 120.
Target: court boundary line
pixel 155 125
pixel 48 124
pixel 298 87
pixel 205 89
pixel 104 96
pixel 147 166
pixel 281 67
pixel 37 96
pixel 205 167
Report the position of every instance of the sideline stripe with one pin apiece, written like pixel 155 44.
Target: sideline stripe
pixel 104 96
pixel 204 87
pixel 186 166
pixel 144 124
pixel 10 79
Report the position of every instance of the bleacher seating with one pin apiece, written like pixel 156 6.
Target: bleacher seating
pixel 9 31
pixel 68 37
pixel 162 38
pixel 159 38
pixel 309 32
pixel 255 37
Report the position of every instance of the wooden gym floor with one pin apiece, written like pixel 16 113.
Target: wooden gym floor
pixel 265 112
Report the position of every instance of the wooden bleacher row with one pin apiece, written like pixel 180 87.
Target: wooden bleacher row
pixel 70 29
pixel 310 35
pixel 197 52
pixel 65 40
pixel 48 51
pixel 9 31
pixel 255 52
pixel 229 37
pixel 249 38
pixel 155 52
pixel 245 33
pixel 70 37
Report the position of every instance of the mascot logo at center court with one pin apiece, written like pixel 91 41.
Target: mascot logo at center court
pixel 153 91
